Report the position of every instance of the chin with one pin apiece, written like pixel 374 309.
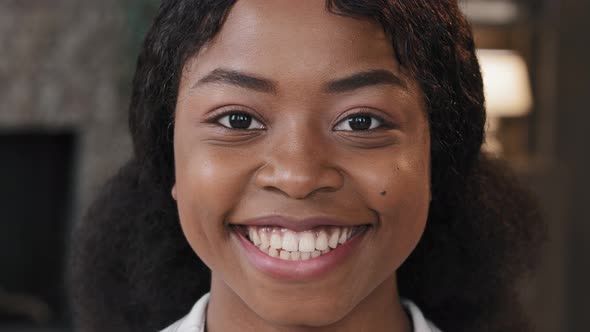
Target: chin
pixel 304 315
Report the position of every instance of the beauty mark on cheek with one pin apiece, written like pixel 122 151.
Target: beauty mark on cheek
pixel 383 193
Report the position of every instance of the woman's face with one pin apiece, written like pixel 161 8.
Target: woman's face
pixel 302 156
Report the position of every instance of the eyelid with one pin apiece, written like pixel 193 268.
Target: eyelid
pixel 385 124
pixel 227 124
pixel 214 116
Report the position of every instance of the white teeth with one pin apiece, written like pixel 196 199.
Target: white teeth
pixel 275 241
pixel 342 237
pixel 333 241
pixel 285 255
pixel 307 242
pixel 264 240
pixel 254 237
pixel 289 245
pixel 290 242
pixel 321 242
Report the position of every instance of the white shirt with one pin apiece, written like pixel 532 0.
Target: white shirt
pixel 195 320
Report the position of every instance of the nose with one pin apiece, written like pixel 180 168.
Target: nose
pixel 298 167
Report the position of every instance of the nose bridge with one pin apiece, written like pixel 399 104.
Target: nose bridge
pixel 298 148
pixel 298 162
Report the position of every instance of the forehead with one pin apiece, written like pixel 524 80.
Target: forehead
pixel 295 39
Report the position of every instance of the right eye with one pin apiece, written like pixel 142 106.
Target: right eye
pixel 239 120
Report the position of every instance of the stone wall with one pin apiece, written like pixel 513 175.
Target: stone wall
pixel 65 66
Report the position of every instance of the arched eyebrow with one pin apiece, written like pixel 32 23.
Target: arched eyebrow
pixel 347 84
pixel 239 79
pixel 365 79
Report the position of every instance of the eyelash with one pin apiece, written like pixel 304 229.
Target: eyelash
pixel 384 124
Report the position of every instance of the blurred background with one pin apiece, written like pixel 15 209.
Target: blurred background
pixel 65 73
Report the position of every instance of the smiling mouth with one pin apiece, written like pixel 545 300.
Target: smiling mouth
pixel 286 244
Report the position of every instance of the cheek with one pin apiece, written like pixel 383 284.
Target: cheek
pixel 208 185
pixel 398 190
pixel 406 214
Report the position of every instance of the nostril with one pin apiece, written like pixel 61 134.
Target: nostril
pixel 298 181
pixel 274 190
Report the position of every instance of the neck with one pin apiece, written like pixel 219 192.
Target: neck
pixel 380 311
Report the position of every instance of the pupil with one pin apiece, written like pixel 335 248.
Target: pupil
pixel 240 121
pixel 360 122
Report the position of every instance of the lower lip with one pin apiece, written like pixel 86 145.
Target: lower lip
pixel 307 270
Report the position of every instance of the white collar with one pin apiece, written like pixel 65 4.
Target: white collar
pixel 195 320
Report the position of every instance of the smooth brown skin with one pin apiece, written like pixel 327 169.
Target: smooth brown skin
pixel 299 164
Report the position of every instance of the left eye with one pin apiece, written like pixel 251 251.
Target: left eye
pixel 240 120
pixel 359 123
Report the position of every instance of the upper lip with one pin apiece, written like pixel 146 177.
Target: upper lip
pixel 294 224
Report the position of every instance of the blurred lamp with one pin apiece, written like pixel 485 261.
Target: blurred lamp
pixel 499 12
pixel 507 90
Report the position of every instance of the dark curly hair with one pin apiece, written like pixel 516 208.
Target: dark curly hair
pixel 131 268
